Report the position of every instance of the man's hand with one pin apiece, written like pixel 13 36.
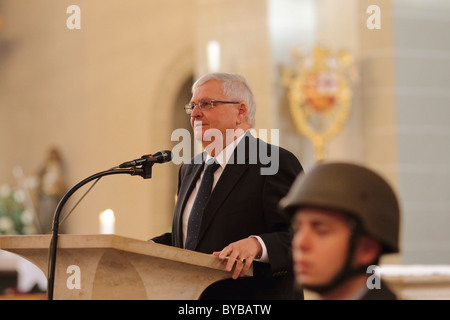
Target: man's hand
pixel 242 253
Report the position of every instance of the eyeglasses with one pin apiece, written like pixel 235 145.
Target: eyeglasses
pixel 205 105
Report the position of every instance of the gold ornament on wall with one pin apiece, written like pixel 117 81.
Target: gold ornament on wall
pixel 319 94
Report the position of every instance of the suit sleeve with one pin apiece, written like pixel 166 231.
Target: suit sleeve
pixel 278 238
pixel 167 238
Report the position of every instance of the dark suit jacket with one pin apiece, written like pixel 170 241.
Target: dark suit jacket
pixel 384 293
pixel 243 203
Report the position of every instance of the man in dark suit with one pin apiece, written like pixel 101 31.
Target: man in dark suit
pixel 345 217
pixel 241 220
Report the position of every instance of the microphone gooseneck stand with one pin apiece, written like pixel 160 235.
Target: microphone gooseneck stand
pixel 145 172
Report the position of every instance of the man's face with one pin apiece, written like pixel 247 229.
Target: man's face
pixel 320 245
pixel 221 117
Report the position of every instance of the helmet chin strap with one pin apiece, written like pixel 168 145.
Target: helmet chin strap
pixel 346 273
pixel 347 270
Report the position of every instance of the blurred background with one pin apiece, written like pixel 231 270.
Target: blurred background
pixel 85 88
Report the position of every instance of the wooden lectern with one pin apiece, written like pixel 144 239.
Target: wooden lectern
pixel 116 267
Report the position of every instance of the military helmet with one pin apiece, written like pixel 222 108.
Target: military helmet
pixel 351 189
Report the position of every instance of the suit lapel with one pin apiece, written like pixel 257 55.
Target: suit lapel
pixel 229 178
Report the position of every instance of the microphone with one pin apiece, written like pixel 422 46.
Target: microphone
pixel 147 161
pixel 158 157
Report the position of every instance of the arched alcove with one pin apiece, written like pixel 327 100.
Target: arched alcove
pixel 172 93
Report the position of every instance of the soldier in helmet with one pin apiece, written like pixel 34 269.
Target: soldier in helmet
pixel 344 216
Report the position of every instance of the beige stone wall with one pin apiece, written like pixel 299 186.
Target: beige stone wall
pixel 422 81
pixel 240 27
pixel 103 94
pixel 379 121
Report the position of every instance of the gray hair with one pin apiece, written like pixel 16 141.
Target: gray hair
pixel 235 87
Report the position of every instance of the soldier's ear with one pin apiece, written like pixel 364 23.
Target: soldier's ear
pixel 367 251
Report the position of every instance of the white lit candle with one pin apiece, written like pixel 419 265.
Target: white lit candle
pixel 107 221
pixel 213 53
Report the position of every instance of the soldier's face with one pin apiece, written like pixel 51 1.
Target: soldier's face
pixel 320 245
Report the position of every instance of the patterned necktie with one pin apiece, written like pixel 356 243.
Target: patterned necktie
pixel 200 201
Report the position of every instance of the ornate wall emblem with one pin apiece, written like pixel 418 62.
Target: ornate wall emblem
pixel 319 95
